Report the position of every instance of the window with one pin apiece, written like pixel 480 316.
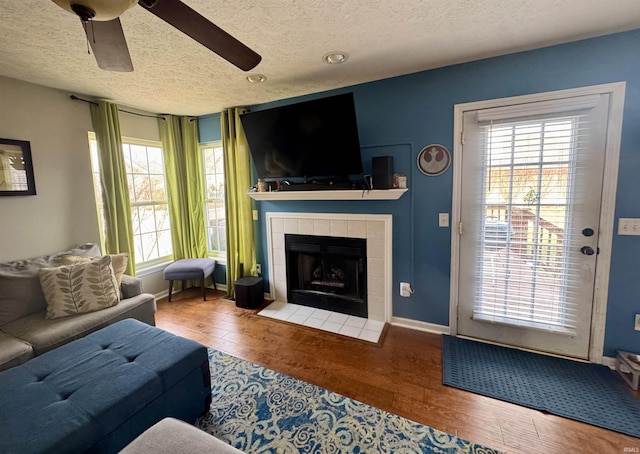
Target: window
pixel 149 202
pixel 214 198
pixel 530 172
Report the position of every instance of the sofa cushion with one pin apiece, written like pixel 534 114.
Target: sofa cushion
pixel 20 291
pixel 45 335
pixel 130 286
pixel 20 294
pixel 79 288
pixel 13 351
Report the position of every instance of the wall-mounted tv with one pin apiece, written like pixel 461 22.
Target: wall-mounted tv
pixel 311 139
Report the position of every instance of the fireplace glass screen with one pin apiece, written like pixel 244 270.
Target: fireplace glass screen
pixel 327 273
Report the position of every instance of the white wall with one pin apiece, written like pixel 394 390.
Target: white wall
pixel 142 126
pixel 62 214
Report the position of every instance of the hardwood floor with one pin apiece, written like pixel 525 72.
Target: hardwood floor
pixel 402 375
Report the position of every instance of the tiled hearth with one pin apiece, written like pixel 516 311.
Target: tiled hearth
pixel 375 228
pixel 333 322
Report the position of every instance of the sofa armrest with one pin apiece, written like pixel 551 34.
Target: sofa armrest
pixel 130 286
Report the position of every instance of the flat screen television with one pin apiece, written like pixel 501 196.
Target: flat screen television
pixel 311 139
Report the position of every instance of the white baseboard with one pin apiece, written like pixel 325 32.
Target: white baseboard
pixel 165 293
pixel 402 322
pixel 609 362
pixel 420 326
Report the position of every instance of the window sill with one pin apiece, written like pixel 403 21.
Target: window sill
pixel 152 269
pixel 219 260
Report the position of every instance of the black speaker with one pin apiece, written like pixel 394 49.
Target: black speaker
pixel 382 169
pixel 249 292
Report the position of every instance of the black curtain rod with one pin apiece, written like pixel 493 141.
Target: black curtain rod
pixel 75 98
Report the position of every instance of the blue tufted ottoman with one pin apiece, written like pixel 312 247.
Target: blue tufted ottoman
pixel 188 269
pixel 100 392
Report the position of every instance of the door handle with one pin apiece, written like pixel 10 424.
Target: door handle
pixel 586 250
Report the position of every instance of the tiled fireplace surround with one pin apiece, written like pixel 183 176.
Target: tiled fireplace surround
pixel 375 228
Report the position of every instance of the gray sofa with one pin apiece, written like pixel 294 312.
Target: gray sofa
pixel 24 331
pixel 172 436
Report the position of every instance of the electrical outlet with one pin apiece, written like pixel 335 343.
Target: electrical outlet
pixel 628 226
pixel 637 326
pixel 405 289
pixel 259 268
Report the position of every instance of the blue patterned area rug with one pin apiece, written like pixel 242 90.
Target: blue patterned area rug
pixel 258 410
pixel 585 392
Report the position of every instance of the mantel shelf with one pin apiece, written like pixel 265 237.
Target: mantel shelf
pixel 346 194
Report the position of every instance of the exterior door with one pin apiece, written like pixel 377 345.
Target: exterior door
pixel 532 179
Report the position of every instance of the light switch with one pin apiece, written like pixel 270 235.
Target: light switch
pixel 443 220
pixel 255 215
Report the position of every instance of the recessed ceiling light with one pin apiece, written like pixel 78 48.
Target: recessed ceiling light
pixel 256 78
pixel 335 58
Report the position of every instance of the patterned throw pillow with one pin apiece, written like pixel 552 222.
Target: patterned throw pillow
pixel 79 288
pixel 118 262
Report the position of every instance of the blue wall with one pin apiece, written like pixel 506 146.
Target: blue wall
pixel 401 115
pixel 209 128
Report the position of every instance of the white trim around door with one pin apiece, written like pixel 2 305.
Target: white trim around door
pixel 612 153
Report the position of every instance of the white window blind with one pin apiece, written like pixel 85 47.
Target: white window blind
pixel 547 108
pixel 526 265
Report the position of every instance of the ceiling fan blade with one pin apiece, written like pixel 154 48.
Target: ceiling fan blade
pixel 109 45
pixel 191 23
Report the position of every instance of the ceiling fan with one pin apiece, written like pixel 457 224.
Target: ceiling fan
pixel 100 19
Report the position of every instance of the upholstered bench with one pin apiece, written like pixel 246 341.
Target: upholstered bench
pixel 100 392
pixel 189 269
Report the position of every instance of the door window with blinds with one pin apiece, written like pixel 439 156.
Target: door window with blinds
pixel 531 186
pixel 529 173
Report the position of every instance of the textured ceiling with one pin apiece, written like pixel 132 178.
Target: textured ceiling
pixel 43 44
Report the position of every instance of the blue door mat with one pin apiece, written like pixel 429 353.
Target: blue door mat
pixel 585 392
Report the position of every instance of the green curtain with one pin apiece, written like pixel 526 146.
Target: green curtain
pixel 241 250
pixel 184 171
pixel 118 230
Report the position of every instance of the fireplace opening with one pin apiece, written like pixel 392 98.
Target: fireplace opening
pixel 327 273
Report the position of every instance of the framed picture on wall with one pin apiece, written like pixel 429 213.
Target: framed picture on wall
pixel 16 168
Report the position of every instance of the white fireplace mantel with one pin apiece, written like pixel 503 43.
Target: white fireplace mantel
pixel 375 228
pixel 346 194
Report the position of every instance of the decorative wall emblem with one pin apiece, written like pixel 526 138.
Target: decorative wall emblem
pixel 434 160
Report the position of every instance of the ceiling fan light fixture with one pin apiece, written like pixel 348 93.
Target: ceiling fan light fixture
pixel 256 78
pixel 104 9
pixel 335 57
